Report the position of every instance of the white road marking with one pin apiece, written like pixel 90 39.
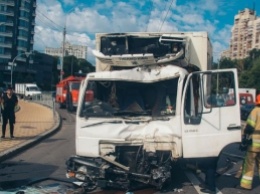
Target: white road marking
pixel 195 182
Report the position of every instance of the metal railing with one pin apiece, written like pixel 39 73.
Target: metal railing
pixel 45 99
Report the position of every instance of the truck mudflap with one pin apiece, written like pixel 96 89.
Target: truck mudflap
pixel 124 172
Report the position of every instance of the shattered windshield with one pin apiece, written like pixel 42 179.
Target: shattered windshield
pixel 125 98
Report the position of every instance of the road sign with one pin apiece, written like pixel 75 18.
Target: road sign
pixel 7 68
pixel 10 63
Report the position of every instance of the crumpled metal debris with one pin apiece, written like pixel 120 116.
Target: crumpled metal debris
pixel 177 190
pixel 47 189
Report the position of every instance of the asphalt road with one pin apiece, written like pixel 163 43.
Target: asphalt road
pixel 47 159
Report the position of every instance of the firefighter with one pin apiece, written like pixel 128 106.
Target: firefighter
pixel 251 142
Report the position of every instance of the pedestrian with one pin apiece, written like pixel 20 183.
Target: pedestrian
pixel 252 130
pixel 9 102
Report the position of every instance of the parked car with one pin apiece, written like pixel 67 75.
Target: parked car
pixel 245 110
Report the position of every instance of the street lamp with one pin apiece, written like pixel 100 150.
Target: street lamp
pixel 12 64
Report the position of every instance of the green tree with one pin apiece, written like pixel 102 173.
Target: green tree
pixel 247 63
pixel 243 79
pixel 226 63
pixel 55 73
pixel 254 54
pixel 85 66
pixel 73 65
pixel 248 69
pixel 254 79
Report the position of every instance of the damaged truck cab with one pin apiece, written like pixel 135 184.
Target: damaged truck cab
pixel 153 100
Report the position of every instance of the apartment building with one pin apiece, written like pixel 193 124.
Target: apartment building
pixel 17 22
pixel 225 54
pixel 245 35
pixel 78 51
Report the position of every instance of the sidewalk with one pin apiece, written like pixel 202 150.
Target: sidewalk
pixel 33 122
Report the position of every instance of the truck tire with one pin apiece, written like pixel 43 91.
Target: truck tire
pixel 28 97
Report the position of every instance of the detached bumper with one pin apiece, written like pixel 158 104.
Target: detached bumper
pixel 95 171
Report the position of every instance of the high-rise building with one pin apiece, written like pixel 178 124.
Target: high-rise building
pixel 17 22
pixel 225 54
pixel 79 51
pixel 245 35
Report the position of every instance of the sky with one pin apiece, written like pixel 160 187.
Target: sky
pixel 84 18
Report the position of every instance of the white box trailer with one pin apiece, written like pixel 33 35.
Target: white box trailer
pixel 142 48
pixel 28 90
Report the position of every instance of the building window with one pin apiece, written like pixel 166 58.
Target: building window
pixel 24 14
pixel 3 18
pixel 4 60
pixel 23 33
pixel 2 50
pixel 2 28
pixel 2 39
pixel 24 23
pixel 22 43
pixel 3 7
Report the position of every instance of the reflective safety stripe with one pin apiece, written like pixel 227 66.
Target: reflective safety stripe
pixel 256 145
pixel 246 182
pixel 250 178
pixel 251 122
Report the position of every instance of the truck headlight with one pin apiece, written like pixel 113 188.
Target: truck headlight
pixel 82 169
pixel 81 173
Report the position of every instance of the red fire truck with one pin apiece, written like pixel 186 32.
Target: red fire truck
pixel 67 91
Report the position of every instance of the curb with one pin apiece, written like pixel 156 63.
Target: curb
pixel 25 145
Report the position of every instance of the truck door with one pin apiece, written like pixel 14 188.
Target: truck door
pixel 210 113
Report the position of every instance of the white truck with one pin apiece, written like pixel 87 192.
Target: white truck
pixel 28 90
pixel 152 101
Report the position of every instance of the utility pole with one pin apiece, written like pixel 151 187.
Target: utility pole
pixel 63 44
pixel 63 52
pixel 71 66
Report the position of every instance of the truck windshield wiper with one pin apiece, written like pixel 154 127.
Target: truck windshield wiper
pixel 103 122
pixel 130 113
pixel 161 118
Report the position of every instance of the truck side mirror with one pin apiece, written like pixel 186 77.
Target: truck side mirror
pixel 89 96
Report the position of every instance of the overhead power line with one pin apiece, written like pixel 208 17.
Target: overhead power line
pixel 50 19
pixel 41 40
pixel 150 9
pixel 44 23
pixel 166 15
pixel 164 9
